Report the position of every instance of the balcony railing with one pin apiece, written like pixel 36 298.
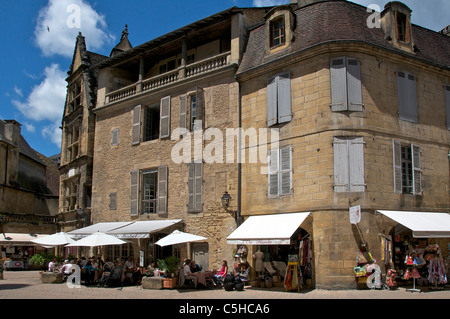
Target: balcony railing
pixel 191 70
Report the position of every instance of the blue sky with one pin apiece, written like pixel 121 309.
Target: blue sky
pixel 38 38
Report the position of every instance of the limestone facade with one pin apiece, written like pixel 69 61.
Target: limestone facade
pixel 315 130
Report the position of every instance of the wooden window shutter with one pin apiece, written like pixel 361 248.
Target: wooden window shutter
pixel 356 165
pixel 354 88
pixel 191 184
pixel 136 130
pixel 198 189
pixel 183 112
pixel 272 114
pixel 113 201
pixel 273 172
pixel 407 97
pixel 200 107
pixel 195 187
pixel 162 190
pixel 284 98
pixel 164 127
pixel 397 150
pixel 412 98
pixel 285 170
pixel 447 105
pixel 417 172
pixel 115 136
pixel 341 165
pixel 338 74
pixel 134 193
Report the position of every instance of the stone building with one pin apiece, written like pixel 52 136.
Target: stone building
pixel 28 194
pixel 154 103
pixel 77 145
pixel 339 106
pixel 362 113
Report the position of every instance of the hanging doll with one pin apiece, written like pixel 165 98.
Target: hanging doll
pixel 407 275
pixel 391 282
pixel 409 260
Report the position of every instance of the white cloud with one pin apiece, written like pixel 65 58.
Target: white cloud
pixel 269 3
pixel 46 103
pixel 29 127
pixel 18 91
pixel 53 133
pixel 59 23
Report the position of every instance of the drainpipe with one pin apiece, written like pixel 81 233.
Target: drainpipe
pixel 238 213
pixel 6 164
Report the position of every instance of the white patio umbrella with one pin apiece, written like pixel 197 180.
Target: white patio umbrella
pixel 97 239
pixel 178 237
pixel 58 239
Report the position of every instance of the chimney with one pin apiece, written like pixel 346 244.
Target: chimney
pixel 12 132
pixel 12 135
pixel 446 31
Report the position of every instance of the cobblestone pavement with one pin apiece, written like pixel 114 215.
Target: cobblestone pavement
pixel 27 285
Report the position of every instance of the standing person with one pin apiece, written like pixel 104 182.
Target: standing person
pixel 187 272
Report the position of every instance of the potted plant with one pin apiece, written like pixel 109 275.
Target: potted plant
pixel 169 265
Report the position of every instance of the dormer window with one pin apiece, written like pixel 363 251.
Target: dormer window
pixel 280 24
pixel 396 24
pixel 401 27
pixel 277 32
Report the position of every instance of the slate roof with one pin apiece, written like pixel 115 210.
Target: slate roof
pixel 342 21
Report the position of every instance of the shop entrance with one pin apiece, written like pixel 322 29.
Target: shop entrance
pixel 288 265
pixel 422 263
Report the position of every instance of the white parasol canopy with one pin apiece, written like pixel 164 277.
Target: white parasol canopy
pixel 178 237
pixel 97 239
pixel 58 239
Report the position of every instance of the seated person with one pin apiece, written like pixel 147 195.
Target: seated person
pixel 90 272
pixel 243 271
pixel 117 276
pixel 107 270
pixel 188 274
pixel 195 267
pixel 66 269
pixel 218 277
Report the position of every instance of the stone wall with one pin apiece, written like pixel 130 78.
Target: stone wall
pixel 113 163
pixel 311 132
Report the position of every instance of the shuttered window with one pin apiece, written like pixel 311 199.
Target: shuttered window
pixel 134 193
pixel 280 172
pixel 136 130
pixel 348 164
pixel 153 197
pixel 447 105
pixel 279 108
pixel 115 136
pixel 113 201
pixel 346 89
pixel 407 97
pixel 164 127
pixel 195 187
pixel 163 174
pixel 407 169
pixel 183 112
pixel 199 110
